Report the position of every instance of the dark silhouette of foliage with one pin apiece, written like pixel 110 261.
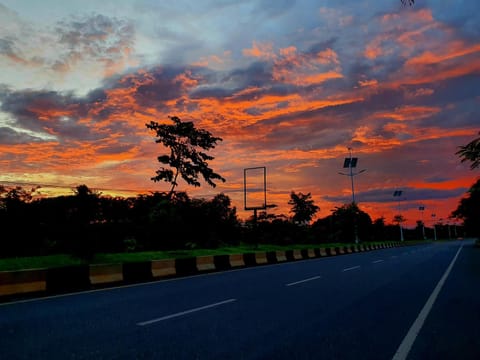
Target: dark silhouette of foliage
pixel 303 207
pixel 468 210
pixel 185 143
pixel 340 225
pixel 407 2
pixel 87 223
pixel 470 152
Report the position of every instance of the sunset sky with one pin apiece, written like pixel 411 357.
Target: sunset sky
pixel 289 85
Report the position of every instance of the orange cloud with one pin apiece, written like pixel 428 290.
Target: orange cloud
pixel 365 83
pixel 259 50
pixel 409 113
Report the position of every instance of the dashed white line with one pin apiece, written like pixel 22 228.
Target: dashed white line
pixel 351 268
pixel 407 343
pixel 302 281
pixel 182 313
pixel 376 261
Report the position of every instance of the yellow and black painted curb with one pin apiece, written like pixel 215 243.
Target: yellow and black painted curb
pixel 41 282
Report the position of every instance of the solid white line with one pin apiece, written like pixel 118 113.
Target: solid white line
pixel 302 281
pixel 376 261
pixel 351 268
pixel 148 322
pixel 407 343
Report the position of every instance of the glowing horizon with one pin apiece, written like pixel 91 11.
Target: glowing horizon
pixel 289 86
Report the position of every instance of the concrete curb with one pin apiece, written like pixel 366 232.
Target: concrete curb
pixel 163 268
pixel 85 277
pixel 236 260
pixel 105 273
pixel 281 256
pixel 205 263
pixel 22 282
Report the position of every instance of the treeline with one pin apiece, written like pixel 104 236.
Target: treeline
pixel 86 223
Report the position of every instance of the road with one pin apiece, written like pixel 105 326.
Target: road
pixel 356 306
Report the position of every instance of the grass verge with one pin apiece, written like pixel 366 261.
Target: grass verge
pixel 49 261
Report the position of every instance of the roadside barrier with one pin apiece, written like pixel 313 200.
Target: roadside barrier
pixel 297 254
pixel 205 263
pixel 261 258
pixel 138 271
pixel 22 281
pixel 186 266
pixel 271 257
pixel 105 273
pixel 68 279
pixel 340 250
pixel 85 277
pixel 281 256
pixel 331 251
pixel 236 260
pixel 222 262
pixel 163 268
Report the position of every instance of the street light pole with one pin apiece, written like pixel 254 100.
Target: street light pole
pixel 422 208
pixel 398 193
pixel 351 163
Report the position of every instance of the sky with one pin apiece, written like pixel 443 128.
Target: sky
pixel 287 85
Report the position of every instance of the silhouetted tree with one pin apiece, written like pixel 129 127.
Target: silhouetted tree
pixel 84 213
pixel 407 2
pixel 16 222
pixel 379 230
pixel 185 143
pixel 470 152
pixel 342 222
pixel 303 207
pixel 469 210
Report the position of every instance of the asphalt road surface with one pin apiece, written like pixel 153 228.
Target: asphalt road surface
pixel 415 302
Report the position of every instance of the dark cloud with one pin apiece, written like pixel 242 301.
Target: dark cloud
pixel 258 74
pixel 385 195
pixel 437 179
pixel 95 37
pixel 7 47
pixel 46 112
pixel 9 136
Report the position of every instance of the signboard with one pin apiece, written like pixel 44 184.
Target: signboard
pixel 255 188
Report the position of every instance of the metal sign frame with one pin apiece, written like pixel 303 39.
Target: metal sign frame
pixel 264 206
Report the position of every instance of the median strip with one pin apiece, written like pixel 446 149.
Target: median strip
pixel 303 281
pixel 186 312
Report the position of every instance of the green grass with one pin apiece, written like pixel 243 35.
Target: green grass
pixel 49 261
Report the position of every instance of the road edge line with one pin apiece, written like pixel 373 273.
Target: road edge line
pixel 409 339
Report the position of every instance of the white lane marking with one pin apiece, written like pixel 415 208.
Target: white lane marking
pixel 351 268
pixel 186 312
pixel 302 281
pixel 376 261
pixel 407 343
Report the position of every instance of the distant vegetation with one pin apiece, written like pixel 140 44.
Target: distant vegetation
pixel 86 223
